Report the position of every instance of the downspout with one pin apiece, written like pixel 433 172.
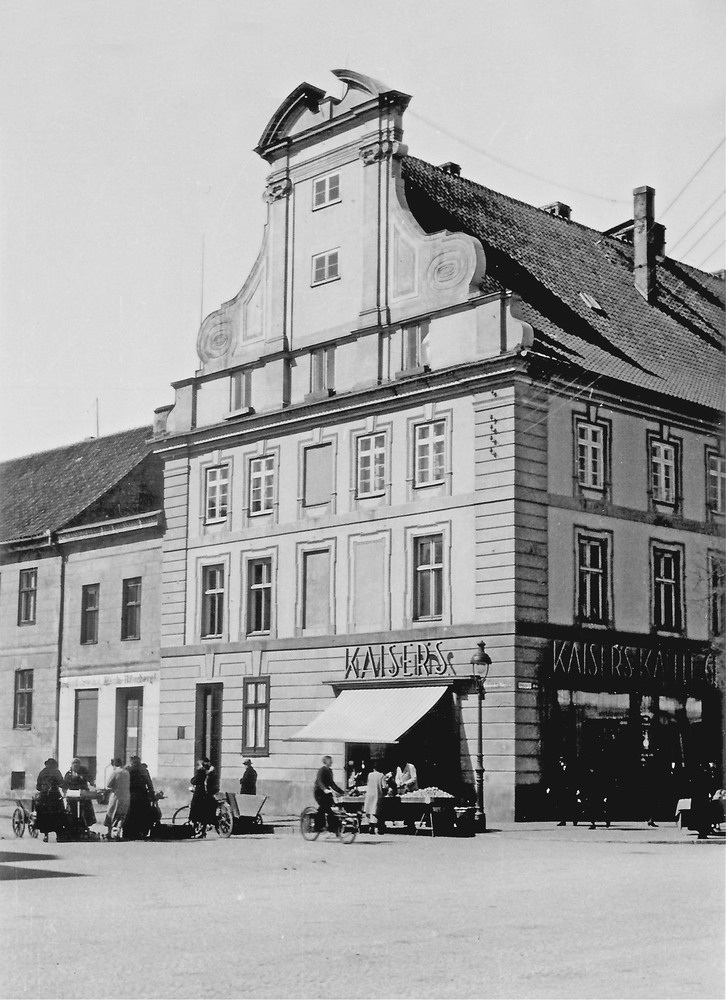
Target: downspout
pixel 61 618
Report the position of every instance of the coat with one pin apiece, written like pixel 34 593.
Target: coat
pixel 50 810
pixel 376 788
pixel 120 784
pixel 203 806
pixel 248 781
pixel 81 809
pixel 141 814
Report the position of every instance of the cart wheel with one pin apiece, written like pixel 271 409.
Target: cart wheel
pixel 225 820
pixel 18 822
pixel 258 820
pixel 307 823
pixel 32 829
pixel 348 829
pixel 181 816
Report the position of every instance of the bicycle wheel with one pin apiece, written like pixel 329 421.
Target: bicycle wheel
pixel 308 826
pixel 347 829
pixel 18 822
pixel 181 816
pixel 225 820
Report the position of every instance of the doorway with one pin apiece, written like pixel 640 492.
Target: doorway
pixel 208 726
pixel 129 723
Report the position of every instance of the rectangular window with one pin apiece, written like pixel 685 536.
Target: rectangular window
pixel 89 613
pixel 27 596
pixel 217 493
pixel 322 371
pixel 430 453
pixel 591 455
pixel 262 484
pixel 716 593
pixel 716 483
pixel 240 392
pixel 663 472
pixel 316 590
pixel 86 730
pixel 667 589
pixel 412 348
pixel 255 738
pixel 23 709
pixel 428 577
pixel 371 464
pixel 131 609
pixel 326 190
pixel 318 474
pixel 259 595
pixel 212 601
pixel 326 267
pixel 592 579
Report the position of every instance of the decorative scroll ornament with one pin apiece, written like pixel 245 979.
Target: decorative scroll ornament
pixel 378 151
pixel 214 337
pixel 277 190
pixel 447 269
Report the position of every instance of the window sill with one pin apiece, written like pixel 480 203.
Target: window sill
pixel 324 281
pixel 411 372
pixel 425 486
pixel 327 204
pixel 261 513
pixel 371 496
pixel 314 397
pixel 130 638
pixel 244 411
pixel 25 729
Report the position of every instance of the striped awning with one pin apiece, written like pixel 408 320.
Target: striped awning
pixel 375 715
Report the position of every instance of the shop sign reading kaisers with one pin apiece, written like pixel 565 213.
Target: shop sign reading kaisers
pixel 616 666
pixel 402 659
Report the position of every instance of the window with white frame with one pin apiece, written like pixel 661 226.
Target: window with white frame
pixel 90 602
pixel 590 447
pixel 240 391
pixel 27 596
pixel 23 705
pixel 412 350
pixel 371 464
pixel 429 453
pixel 217 493
pixel 667 589
pixel 212 601
pixel 716 483
pixel 322 371
pixel 262 484
pixel 256 715
pixel 592 579
pixel 663 471
pixel 716 593
pixel 326 267
pixel 326 190
pixel 259 595
pixel 428 577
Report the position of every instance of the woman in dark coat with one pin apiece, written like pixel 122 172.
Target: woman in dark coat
pixel 203 808
pixel 81 810
pixel 50 810
pixel 141 815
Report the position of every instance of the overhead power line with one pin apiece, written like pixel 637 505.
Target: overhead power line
pixel 708 158
pixel 681 239
pixel 512 166
pixel 710 255
pixel 704 234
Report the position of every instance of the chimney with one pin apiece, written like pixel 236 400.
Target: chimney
pixel 646 241
pixel 559 209
pixel 451 168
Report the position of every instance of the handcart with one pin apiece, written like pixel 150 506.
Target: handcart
pixel 24 816
pixel 246 812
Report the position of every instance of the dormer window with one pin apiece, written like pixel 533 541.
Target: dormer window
pixel 325 267
pixel 326 191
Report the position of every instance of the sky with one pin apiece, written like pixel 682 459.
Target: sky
pixel 131 201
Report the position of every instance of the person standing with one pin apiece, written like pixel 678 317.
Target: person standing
pixel 50 810
pixel 248 781
pixel 406 778
pixel 202 809
pixel 376 788
pixel 323 791
pixel 140 816
pixel 119 781
pixel 565 794
pixel 76 780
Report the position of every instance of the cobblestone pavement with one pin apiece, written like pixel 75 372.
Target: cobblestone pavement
pixel 529 911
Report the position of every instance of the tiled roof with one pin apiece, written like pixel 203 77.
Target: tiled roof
pixel 45 491
pixel 674 346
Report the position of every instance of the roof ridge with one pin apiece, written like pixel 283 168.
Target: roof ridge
pixel 77 444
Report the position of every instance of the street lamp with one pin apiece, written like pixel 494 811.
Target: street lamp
pixel 480 663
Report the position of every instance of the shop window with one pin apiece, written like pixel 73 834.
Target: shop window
pixel 429 453
pixel 591 441
pixel 326 191
pixel 212 601
pixel 90 598
pixel 255 739
pixel 131 609
pixel 322 372
pixel 716 593
pixel 85 731
pixel 592 579
pixel 262 484
pixel 326 267
pixel 318 474
pixel 23 707
pixel 663 471
pixel 217 493
pixel 371 465
pixel 667 589
pixel 716 483
pixel 27 596
pixel 17 781
pixel 316 590
pixel 259 595
pixel 428 577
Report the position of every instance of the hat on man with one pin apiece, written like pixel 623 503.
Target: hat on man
pixel 246 762
pixel 76 760
pixel 51 762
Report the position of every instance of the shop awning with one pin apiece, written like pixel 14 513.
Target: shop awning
pixel 375 715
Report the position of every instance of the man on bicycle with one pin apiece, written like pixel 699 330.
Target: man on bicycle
pixel 324 787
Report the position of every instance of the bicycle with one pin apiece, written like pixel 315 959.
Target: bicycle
pixel 346 827
pixel 222 823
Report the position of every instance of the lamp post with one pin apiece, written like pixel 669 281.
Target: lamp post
pixel 480 662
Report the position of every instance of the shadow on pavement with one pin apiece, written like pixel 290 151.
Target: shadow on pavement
pixel 11 873
pixel 17 856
